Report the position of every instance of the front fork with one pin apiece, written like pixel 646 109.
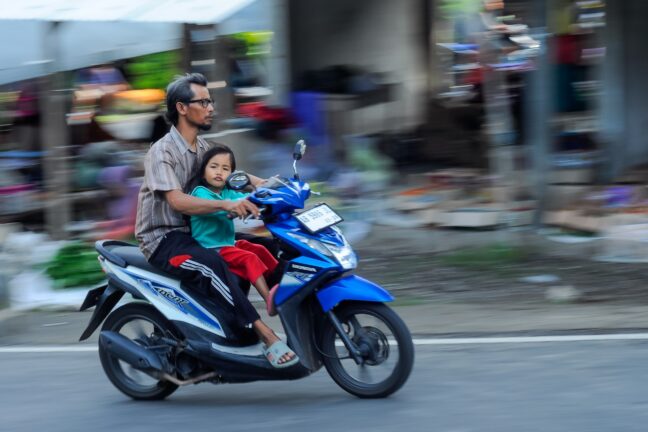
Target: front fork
pixel 356 353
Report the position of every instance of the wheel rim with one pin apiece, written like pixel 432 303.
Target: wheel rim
pixel 144 332
pixel 378 344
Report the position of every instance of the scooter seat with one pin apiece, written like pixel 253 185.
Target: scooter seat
pixel 134 257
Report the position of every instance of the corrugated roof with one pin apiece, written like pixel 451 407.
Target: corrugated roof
pixel 169 11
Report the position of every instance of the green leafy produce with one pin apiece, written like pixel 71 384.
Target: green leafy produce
pixel 75 265
pixel 153 70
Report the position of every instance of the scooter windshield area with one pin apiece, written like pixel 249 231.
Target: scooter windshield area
pixel 277 182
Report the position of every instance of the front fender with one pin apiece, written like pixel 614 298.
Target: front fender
pixel 351 288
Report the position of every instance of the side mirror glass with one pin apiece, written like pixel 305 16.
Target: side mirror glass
pixel 300 149
pixel 238 180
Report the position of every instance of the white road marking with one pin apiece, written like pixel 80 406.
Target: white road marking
pixel 55 324
pixel 24 349
pixel 27 349
pixel 532 339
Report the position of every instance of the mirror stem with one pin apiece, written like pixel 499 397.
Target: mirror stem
pixel 295 169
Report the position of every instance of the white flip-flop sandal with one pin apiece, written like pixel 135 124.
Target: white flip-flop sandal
pixel 277 350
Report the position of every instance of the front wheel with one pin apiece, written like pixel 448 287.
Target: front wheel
pixel 386 347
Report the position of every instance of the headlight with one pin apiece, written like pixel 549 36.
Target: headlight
pixel 344 255
pixel 312 243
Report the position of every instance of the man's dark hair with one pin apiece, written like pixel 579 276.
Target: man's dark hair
pixel 179 90
pixel 197 179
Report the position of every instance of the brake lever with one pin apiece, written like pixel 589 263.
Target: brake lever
pixel 250 216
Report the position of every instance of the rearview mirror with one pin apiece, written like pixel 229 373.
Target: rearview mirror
pixel 238 180
pixel 300 149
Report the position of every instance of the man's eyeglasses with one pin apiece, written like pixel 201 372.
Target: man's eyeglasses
pixel 203 102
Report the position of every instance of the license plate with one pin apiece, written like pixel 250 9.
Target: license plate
pixel 318 218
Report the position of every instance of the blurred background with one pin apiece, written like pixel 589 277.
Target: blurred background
pixel 490 160
pixel 426 114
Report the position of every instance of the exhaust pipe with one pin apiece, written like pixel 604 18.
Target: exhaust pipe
pixel 130 352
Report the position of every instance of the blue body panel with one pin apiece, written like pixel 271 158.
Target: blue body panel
pixel 282 198
pixel 292 282
pixel 292 225
pixel 351 288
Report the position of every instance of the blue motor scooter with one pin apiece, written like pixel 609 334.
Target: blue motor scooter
pixel 170 336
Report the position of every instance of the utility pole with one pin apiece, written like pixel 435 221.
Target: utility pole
pixel 54 138
pixel 538 109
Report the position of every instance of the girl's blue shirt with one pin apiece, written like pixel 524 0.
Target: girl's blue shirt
pixel 214 230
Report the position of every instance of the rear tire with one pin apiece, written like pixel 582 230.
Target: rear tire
pixel 124 376
pixel 378 349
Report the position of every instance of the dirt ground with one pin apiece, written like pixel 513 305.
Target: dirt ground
pixel 411 263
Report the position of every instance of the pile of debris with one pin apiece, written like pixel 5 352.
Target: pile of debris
pixel 465 198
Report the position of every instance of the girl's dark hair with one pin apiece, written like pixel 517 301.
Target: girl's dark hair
pixel 197 179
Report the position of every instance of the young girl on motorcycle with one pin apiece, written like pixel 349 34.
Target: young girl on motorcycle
pixel 250 261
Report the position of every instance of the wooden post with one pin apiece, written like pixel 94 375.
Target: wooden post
pixel 54 139
pixel 211 51
pixel 538 108
pixel 185 60
pixel 221 73
pixel 279 79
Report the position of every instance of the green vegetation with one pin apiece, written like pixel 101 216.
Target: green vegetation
pixel 75 265
pixel 450 8
pixel 153 71
pixel 490 257
pixel 257 44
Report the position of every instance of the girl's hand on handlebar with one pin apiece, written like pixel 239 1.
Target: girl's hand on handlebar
pixel 241 208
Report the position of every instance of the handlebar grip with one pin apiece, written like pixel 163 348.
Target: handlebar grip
pixel 233 215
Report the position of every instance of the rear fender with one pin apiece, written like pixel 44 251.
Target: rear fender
pixel 104 298
pixel 351 288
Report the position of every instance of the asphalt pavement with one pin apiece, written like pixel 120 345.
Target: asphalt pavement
pixel 558 387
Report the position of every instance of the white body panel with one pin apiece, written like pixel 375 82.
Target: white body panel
pixel 167 296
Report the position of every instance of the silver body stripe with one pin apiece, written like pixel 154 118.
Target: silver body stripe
pixel 215 281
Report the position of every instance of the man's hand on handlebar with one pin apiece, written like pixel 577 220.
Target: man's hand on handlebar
pixel 241 208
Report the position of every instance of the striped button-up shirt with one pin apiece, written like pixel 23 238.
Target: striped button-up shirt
pixel 169 164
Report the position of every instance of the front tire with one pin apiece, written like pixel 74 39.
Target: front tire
pixel 374 328
pixel 141 323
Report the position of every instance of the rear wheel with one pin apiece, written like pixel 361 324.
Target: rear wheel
pixel 385 343
pixel 143 324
